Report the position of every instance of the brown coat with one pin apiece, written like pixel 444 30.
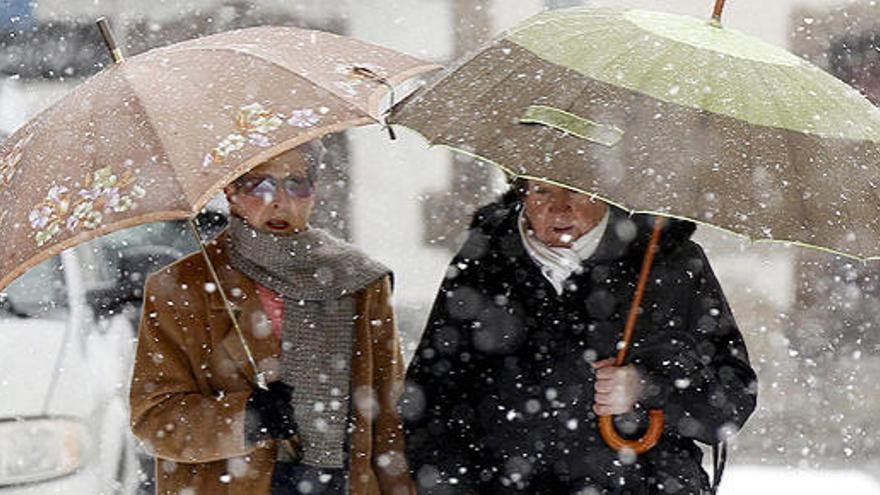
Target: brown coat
pixel 191 383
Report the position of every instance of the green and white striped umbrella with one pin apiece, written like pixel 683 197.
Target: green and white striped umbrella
pixel 671 115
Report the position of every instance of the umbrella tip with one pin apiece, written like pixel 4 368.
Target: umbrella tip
pixel 716 13
pixel 110 40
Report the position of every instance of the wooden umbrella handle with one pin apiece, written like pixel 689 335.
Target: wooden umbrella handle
pixel 639 446
pixel 655 416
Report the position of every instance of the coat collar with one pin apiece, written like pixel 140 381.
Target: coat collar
pixel 625 236
pixel 618 238
pixel 620 234
pixel 241 291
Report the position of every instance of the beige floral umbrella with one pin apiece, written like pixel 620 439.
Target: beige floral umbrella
pixel 154 137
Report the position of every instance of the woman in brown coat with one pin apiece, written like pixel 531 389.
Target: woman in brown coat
pixel 316 314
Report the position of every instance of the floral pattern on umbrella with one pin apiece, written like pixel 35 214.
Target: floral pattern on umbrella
pixel 305 117
pixel 9 163
pixel 243 118
pixel 63 209
pixel 254 123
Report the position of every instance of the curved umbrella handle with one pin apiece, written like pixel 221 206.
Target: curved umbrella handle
pixel 639 446
pixel 655 424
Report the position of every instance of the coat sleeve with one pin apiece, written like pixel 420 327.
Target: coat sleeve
pixel 389 460
pixel 175 418
pixel 442 440
pixel 700 375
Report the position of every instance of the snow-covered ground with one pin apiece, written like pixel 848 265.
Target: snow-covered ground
pixel 760 480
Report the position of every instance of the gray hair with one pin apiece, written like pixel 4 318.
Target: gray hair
pixel 313 152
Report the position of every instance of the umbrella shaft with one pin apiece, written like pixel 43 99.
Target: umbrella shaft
pixel 640 292
pixel 259 377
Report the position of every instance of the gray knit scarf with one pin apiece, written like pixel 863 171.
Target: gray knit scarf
pixel 317 275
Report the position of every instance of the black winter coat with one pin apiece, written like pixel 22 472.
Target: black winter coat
pixel 499 394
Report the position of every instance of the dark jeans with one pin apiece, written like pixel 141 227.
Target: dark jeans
pixel 290 478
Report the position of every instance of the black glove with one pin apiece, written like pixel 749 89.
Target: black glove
pixel 269 414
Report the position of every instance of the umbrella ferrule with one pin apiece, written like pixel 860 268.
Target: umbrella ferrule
pixel 716 13
pixel 117 56
pixel 110 40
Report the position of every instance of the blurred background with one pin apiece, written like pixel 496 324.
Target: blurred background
pixel 811 320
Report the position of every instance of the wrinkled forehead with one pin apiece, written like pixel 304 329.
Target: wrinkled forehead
pixel 537 185
pixel 289 163
pixel 538 193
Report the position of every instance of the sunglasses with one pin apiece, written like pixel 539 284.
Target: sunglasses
pixel 259 186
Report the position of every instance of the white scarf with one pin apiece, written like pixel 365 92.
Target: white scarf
pixel 557 264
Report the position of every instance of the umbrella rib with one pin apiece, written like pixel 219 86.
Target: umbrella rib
pixel 486 91
pixel 153 131
pixel 653 68
pixel 831 99
pixel 577 36
pixel 593 80
pixel 287 69
pixel 599 28
pixel 659 58
pixel 751 126
pixel 786 138
pixel 645 75
pixel 462 62
pixel 488 69
pixel 834 102
pixel 494 141
pixel 819 139
pixel 573 101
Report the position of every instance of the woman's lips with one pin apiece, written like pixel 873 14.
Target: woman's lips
pixel 275 224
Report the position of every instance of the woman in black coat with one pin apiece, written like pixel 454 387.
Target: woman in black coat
pixel 502 393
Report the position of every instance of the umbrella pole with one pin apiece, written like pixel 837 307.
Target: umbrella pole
pixel 259 376
pixel 655 416
pixel 290 445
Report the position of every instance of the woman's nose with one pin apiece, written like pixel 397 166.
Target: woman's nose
pixel 280 202
pixel 559 205
pixel 279 199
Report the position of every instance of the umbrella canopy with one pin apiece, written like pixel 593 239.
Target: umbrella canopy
pixel 155 137
pixel 668 114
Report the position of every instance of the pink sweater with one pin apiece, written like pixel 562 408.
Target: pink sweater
pixel 273 305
